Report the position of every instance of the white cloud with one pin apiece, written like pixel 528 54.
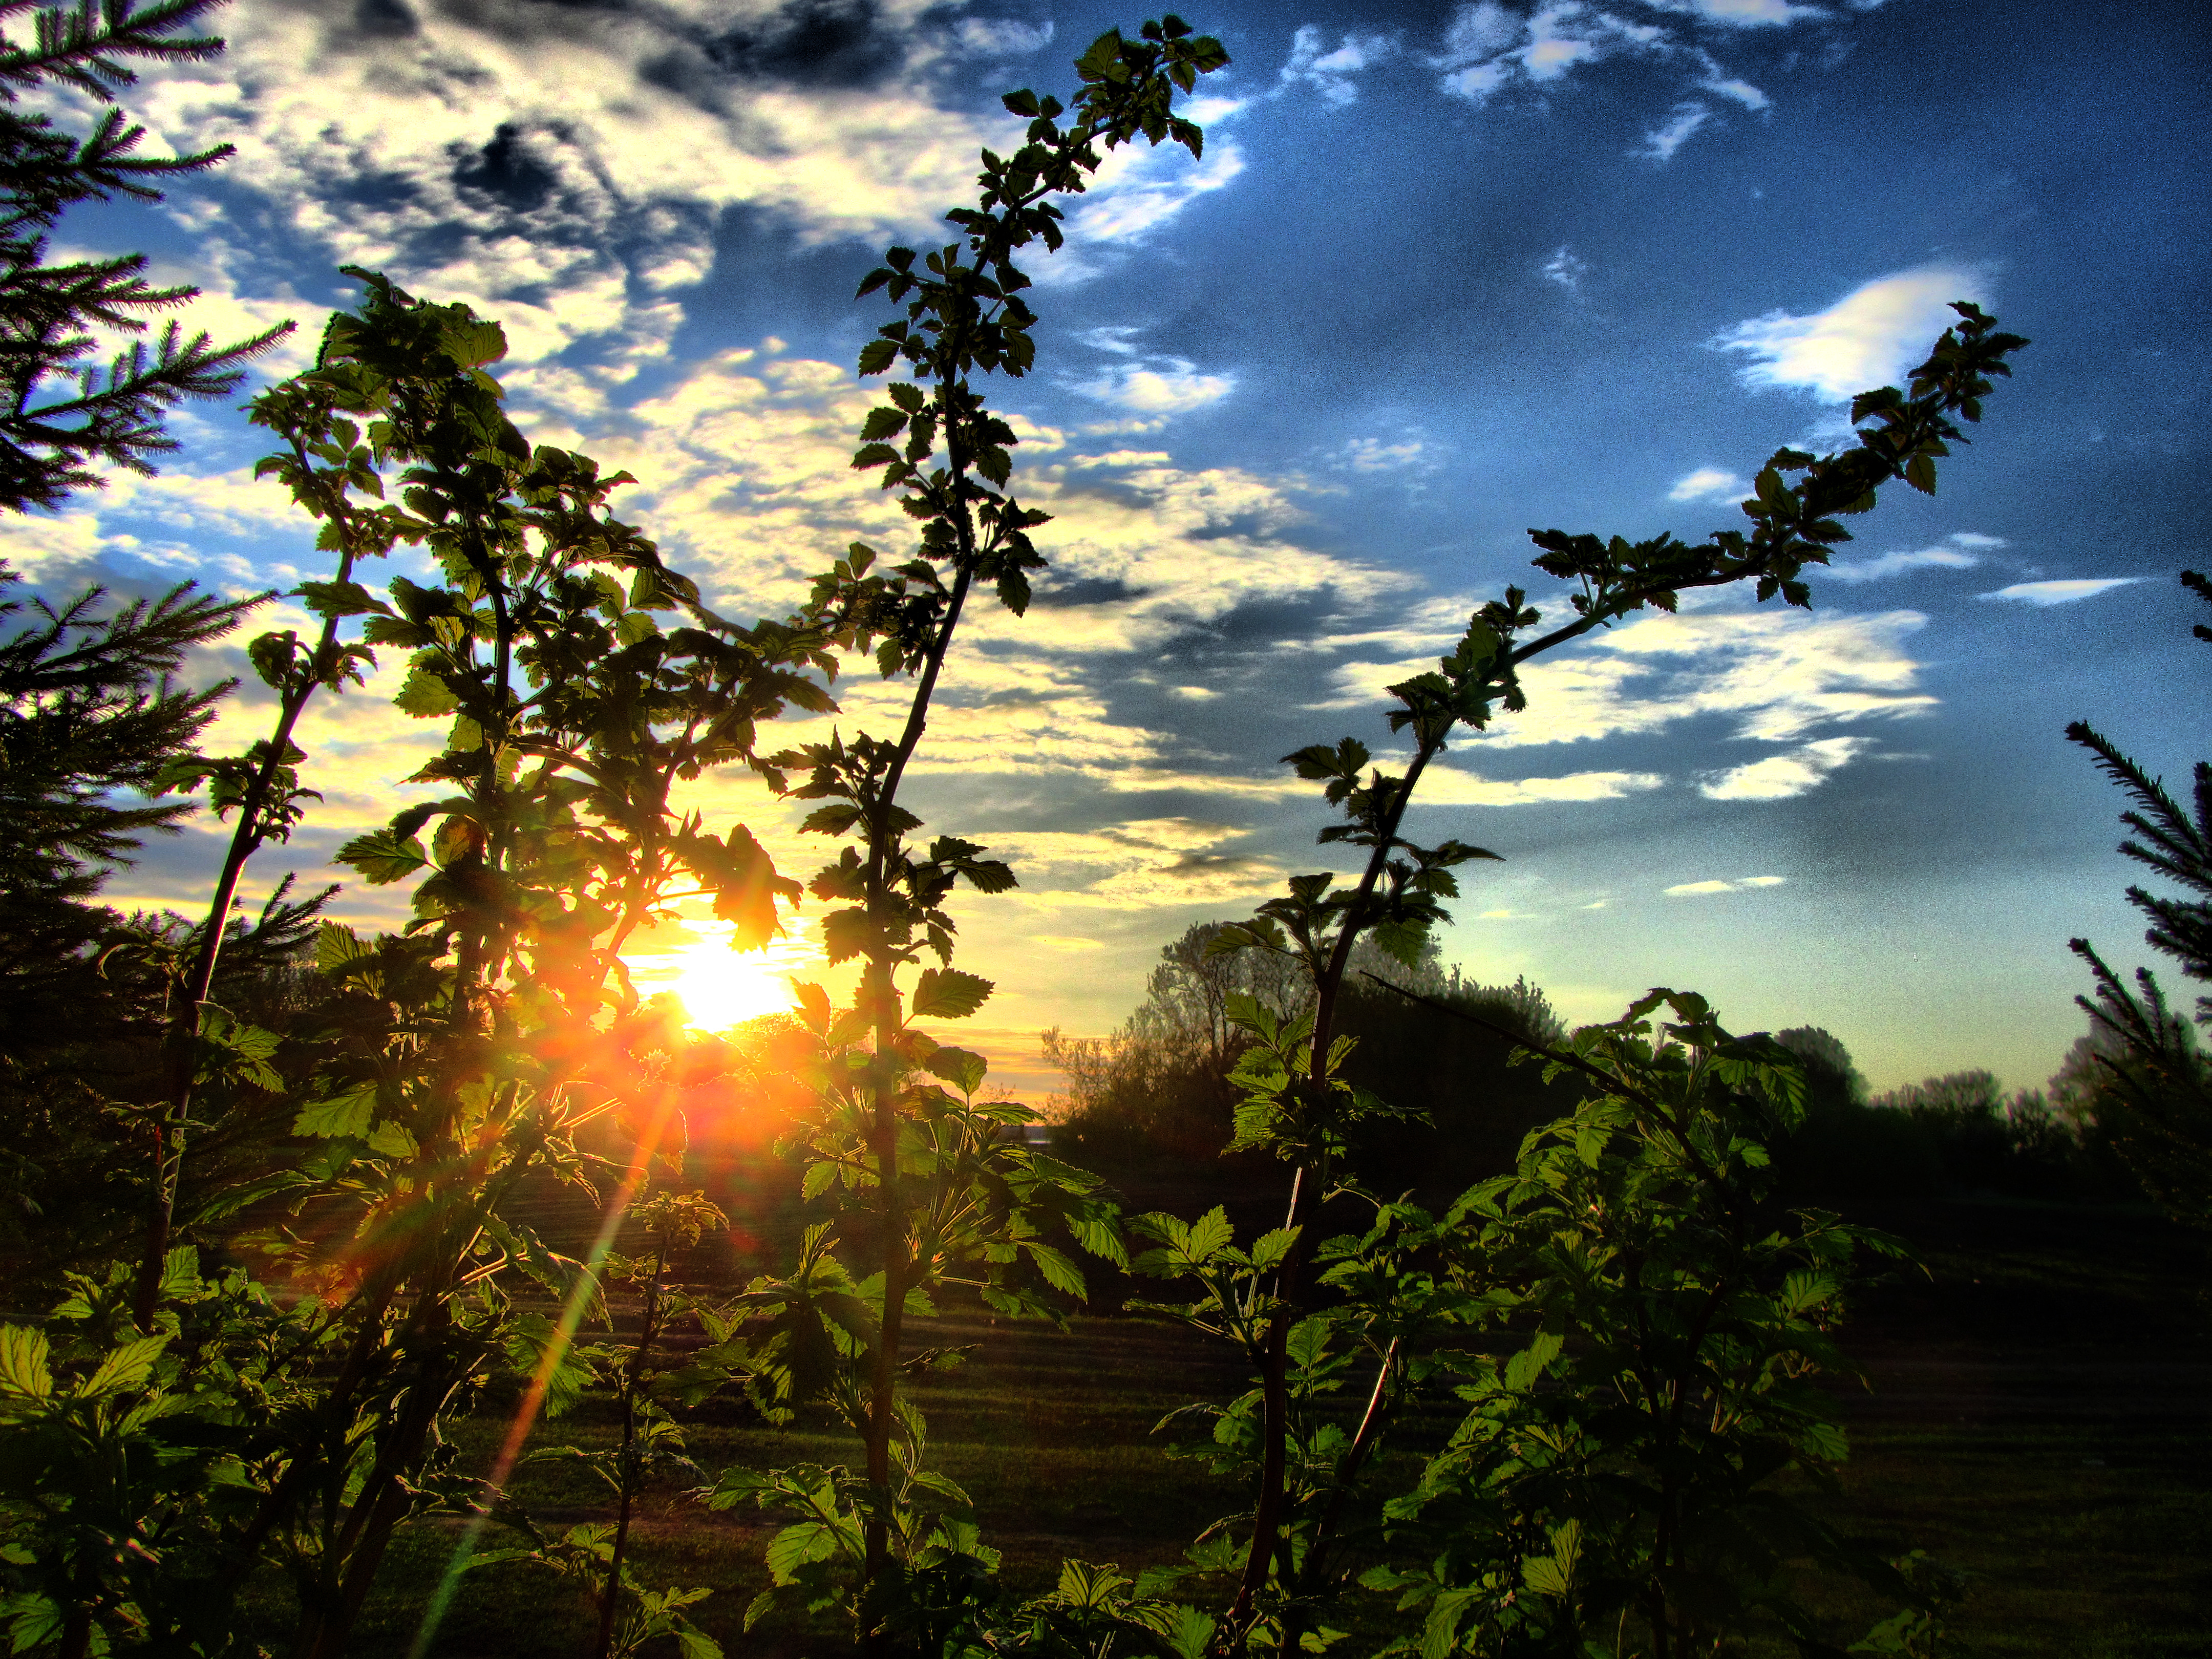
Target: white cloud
pixel 1780 777
pixel 1330 73
pixel 1889 564
pixel 1137 189
pixel 1374 455
pixel 1487 48
pixel 1869 337
pixel 1703 889
pixel 1004 37
pixel 1567 269
pixel 1776 674
pixel 2061 592
pixel 1452 786
pixel 1174 388
pixel 563 168
pixel 1660 144
pixel 1720 83
pixel 1974 538
pixel 1708 483
pixel 1143 862
pixel 1742 14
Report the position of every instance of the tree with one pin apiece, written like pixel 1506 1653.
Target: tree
pixel 1299 1100
pixel 2155 1093
pixel 90 714
pixel 51 437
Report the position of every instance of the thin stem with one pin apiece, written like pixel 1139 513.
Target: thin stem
pixel 184 1018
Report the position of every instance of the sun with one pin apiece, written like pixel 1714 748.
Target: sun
pixel 720 987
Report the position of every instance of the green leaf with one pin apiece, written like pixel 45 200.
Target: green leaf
pixel 1059 1273
pixel 383 857
pixel 424 694
pixel 948 993
pixel 1523 1371
pixel 799 1546
pixel 348 1114
pixel 125 1367
pixel 23 1371
pixel 964 1070
pixel 392 1139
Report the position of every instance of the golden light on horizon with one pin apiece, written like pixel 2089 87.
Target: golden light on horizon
pixel 720 986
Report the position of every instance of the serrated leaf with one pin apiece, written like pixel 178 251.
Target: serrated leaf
pixel 948 993
pixel 23 1371
pixel 424 694
pixel 348 1114
pixel 961 1068
pixel 392 1140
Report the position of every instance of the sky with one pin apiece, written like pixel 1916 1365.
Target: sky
pixel 1445 273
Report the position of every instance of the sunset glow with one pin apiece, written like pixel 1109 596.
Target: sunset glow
pixel 720 987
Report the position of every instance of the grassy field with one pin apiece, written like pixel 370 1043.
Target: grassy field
pixel 2037 1416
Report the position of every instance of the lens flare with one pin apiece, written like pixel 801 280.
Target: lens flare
pixel 719 986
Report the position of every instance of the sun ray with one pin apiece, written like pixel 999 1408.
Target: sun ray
pixel 719 986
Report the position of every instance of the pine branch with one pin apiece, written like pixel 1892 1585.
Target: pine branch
pixel 83 45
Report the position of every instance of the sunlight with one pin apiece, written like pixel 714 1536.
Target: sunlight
pixel 720 986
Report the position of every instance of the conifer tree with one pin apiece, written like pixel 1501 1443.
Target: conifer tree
pixel 61 410
pixel 2156 1099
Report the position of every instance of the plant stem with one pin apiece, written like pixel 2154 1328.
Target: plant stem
pixel 611 1598
pixel 185 1019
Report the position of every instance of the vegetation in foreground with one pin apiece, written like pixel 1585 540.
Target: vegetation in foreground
pixel 1575 1407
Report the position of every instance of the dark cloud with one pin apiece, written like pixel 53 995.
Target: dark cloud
pixel 505 170
pixel 384 19
pixel 816 43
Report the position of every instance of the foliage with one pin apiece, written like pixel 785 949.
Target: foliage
pixel 49 440
pixel 1669 1316
pixel 1160 1085
pixel 1301 1103
pixel 127 1456
pixel 1619 1482
pixel 630 1615
pixel 89 709
pixel 918 1175
pixel 2156 1097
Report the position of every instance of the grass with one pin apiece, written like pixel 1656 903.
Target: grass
pixel 2036 1418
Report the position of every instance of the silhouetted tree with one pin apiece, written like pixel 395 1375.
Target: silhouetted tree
pixel 60 409
pixel 2156 1099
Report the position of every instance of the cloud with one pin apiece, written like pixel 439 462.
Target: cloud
pixel 1660 144
pixel 1889 564
pixel 1708 483
pixel 1172 388
pixel 1567 269
pixel 1330 74
pixel 1372 455
pixel 1138 188
pixel 564 168
pixel 1742 14
pixel 2042 594
pixel 1143 862
pixel 1780 777
pixel 1776 675
pixel 1718 81
pixel 1703 889
pixel 1869 338
pixel 1451 786
pixel 1487 48
pixel 1004 37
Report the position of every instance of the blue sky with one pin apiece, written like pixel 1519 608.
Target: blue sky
pixel 1445 273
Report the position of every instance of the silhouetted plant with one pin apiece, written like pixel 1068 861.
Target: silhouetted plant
pixel 2156 1096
